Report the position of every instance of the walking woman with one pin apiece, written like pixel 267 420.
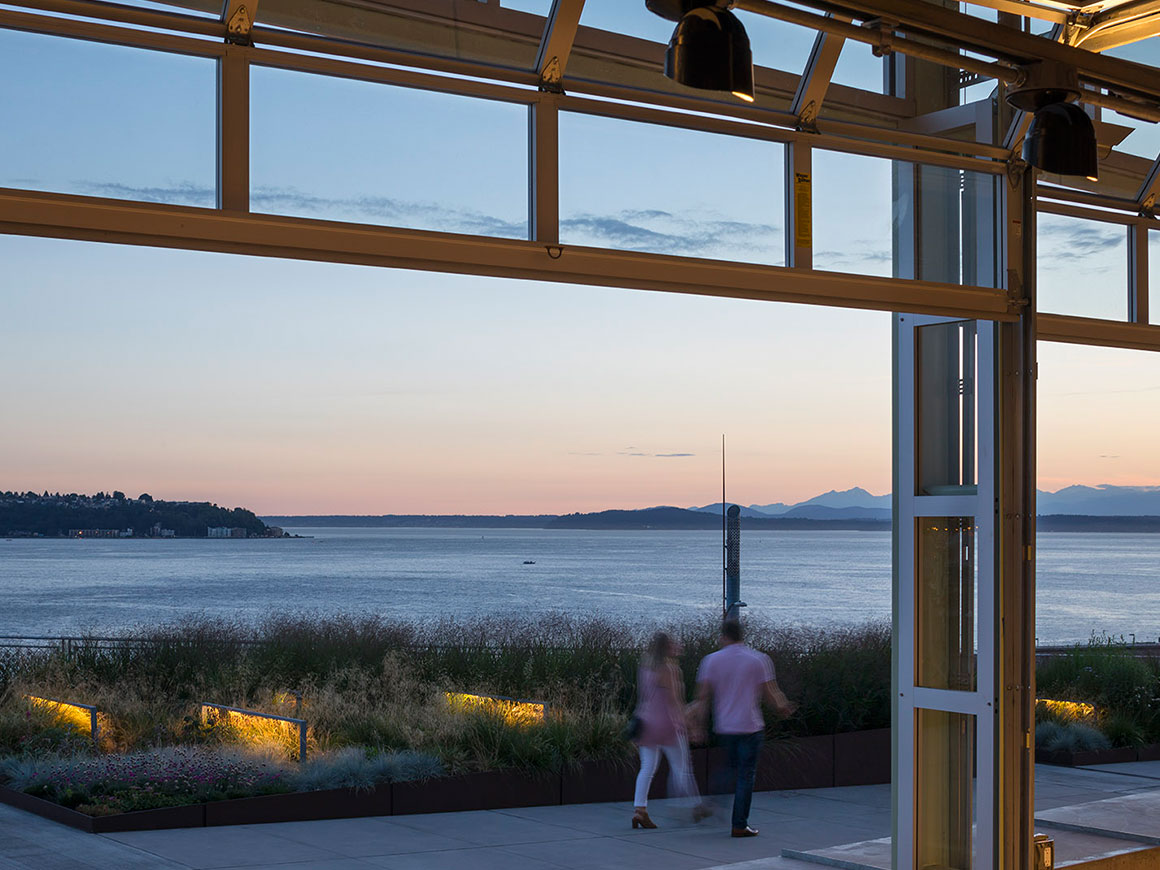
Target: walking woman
pixel 661 710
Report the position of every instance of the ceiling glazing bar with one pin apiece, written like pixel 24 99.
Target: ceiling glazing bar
pixel 556 43
pixel 815 80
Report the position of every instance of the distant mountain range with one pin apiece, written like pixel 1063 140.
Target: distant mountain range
pixel 1074 508
pixel 1091 501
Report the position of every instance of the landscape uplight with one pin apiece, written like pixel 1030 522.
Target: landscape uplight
pixel 80 716
pixel 256 728
pixel 511 710
pixel 1075 710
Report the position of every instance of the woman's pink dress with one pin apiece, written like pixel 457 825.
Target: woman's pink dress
pixel 660 717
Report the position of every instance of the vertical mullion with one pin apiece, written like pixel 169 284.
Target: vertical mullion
pixel 1138 273
pixel 799 218
pixel 544 169
pixel 233 156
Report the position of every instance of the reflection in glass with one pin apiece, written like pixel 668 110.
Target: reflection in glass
pixel 945 454
pixel 103 120
pixel 1083 267
pixel 339 149
pixel 943 790
pixel 945 603
pixel 643 187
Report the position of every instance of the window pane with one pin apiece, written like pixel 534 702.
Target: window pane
pixel 852 214
pixel 944 793
pixel 947 369
pixel 1154 277
pixel 1082 267
pixel 644 187
pixel 945 604
pixel 359 151
pixel 102 120
pixel 859 68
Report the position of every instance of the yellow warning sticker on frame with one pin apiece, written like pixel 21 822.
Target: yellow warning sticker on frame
pixel 803 235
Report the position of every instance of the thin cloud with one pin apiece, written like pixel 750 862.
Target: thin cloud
pixel 672 455
pixel 651 230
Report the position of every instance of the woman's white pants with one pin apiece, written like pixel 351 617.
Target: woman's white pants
pixel 681 782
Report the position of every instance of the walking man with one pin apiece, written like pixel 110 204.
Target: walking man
pixel 736 679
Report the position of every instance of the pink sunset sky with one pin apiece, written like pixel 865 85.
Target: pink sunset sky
pixel 292 387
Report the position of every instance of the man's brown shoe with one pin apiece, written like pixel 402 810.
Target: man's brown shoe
pixel 745 832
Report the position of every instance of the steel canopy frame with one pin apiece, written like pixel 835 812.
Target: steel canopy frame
pixel 233 228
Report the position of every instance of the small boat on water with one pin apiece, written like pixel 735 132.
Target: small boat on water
pixel 529 562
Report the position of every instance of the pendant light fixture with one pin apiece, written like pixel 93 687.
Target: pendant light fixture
pixel 709 48
pixel 1061 139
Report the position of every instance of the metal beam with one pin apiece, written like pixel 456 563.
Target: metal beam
pixel 1146 198
pixel 556 43
pixel 815 80
pixel 1100 333
pixel 1138 274
pixel 544 170
pixel 118 222
pixel 233 138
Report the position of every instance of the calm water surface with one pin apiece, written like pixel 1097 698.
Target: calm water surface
pixel 1087 582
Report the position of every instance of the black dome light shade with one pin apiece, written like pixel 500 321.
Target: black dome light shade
pixel 1062 140
pixel 710 50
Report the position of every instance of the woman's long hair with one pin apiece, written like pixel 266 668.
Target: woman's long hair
pixel 657 651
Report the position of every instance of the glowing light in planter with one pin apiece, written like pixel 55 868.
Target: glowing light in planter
pixel 256 728
pixel 1076 710
pixel 511 710
pixel 79 716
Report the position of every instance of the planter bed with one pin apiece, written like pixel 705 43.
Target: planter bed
pixel 859 758
pixel 1100 756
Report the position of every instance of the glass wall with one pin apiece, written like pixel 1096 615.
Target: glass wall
pixel 944 790
pixel 340 149
pixel 643 187
pixel 57 97
pixel 1082 267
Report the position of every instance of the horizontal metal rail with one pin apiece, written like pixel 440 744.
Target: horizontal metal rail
pixel 116 221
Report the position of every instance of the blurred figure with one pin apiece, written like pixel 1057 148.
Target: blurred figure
pixel 661 710
pixel 735 679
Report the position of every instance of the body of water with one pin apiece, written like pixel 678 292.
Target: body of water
pixel 1103 583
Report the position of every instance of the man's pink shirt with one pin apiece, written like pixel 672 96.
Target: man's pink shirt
pixel 736 674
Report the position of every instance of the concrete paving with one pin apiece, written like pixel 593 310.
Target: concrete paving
pixel 581 837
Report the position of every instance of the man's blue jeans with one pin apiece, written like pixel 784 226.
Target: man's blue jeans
pixel 743 750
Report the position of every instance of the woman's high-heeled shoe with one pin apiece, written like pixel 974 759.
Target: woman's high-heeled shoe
pixel 701 811
pixel 640 819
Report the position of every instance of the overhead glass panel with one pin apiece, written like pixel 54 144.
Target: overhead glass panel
pixel 852 214
pixel 858 67
pixel 1082 267
pixel 486 32
pixel 103 120
pixel 644 187
pixel 347 150
pixel 775 44
pixel 1142 141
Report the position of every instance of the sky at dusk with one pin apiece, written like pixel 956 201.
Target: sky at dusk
pixel 291 387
